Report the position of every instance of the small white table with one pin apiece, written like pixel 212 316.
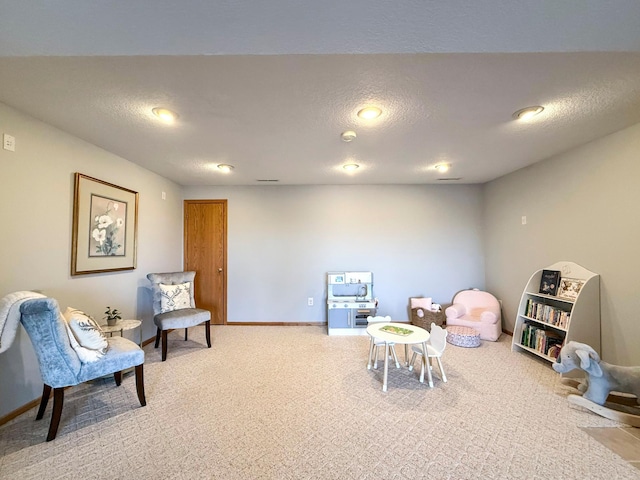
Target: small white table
pixel 123 325
pixel 417 335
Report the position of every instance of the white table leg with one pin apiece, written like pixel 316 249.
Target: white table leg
pixel 395 357
pixel 406 354
pixel 386 367
pixel 370 354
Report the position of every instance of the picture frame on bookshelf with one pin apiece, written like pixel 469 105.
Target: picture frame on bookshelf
pixel 569 288
pixel 549 282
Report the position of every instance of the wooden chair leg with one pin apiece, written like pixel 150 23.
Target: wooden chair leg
pixel 157 338
pixel 117 376
pixel 207 332
pixel 58 401
pixel 140 384
pixel 46 393
pixel 164 345
pixel 186 331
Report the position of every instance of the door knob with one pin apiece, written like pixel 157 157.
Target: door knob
pixel 219 270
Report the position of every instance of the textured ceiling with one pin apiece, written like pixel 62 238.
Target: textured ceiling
pixel 269 86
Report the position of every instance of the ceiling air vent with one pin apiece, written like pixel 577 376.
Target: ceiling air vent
pixel 451 179
pixel 267 180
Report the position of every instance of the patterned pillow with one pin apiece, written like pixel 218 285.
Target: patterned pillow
pixel 86 331
pixel 175 297
pixel 86 355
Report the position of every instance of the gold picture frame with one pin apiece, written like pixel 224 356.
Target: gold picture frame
pixel 105 227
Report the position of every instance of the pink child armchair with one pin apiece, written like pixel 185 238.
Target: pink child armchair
pixel 478 310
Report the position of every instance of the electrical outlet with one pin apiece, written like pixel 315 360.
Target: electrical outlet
pixel 524 220
pixel 310 301
pixel 164 195
pixel 9 142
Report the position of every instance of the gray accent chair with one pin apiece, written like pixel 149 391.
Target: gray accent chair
pixel 183 318
pixel 60 366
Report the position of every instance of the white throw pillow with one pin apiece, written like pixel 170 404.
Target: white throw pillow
pixel 86 330
pixel 175 297
pixel 85 355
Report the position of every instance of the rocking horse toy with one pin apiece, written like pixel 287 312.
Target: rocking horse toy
pixel 610 391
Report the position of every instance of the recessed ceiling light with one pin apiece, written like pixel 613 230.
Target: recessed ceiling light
pixel 165 114
pixel 348 136
pixel 225 168
pixel 442 167
pixel 369 113
pixel 351 166
pixel 528 112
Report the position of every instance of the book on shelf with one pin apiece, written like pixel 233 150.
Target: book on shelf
pixel 548 314
pixel 570 288
pixel 549 282
pixel 540 339
pixel 554 351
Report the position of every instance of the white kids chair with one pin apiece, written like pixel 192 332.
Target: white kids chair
pixel 435 348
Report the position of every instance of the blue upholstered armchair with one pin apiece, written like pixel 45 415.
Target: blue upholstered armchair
pixel 60 365
pixel 174 306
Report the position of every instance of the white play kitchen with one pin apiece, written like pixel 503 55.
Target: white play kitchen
pixel 349 302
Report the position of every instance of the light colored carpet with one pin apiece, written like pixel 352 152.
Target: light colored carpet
pixel 294 403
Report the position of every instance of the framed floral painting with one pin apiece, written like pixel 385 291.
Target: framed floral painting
pixel 105 227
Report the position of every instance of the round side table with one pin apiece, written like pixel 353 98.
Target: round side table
pixel 121 326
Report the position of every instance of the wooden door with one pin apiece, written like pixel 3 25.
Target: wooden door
pixel 205 252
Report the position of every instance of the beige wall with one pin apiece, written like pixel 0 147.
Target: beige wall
pixel 581 206
pixel 36 201
pixel 418 240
